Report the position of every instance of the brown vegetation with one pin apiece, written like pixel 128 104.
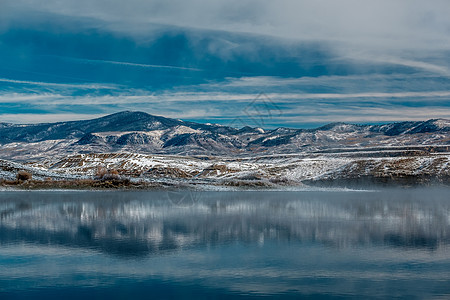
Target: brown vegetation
pixel 23 175
pixel 105 174
pixel 82 184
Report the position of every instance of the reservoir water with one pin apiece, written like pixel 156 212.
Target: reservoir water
pixel 323 244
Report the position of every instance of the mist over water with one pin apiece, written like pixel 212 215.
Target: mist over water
pixel 185 244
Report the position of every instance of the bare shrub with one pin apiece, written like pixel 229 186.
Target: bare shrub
pixel 105 174
pixel 111 175
pixel 24 175
pixel 101 172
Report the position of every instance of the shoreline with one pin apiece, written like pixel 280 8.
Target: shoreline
pixel 127 184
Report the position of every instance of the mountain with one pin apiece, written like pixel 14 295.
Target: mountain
pixel 119 122
pixel 139 132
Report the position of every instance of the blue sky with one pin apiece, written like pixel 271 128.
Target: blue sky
pixel 258 63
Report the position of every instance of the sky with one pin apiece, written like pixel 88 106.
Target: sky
pixel 261 63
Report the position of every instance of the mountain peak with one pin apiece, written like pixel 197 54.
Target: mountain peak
pixel 338 126
pixel 128 114
pixel 440 123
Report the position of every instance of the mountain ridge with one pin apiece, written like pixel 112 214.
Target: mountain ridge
pixel 140 132
pixel 123 119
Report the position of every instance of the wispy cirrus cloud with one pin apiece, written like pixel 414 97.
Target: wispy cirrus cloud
pixel 297 110
pixel 60 85
pixel 33 118
pixel 299 117
pixel 440 69
pixel 129 64
pixel 55 99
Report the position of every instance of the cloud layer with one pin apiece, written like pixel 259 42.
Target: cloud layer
pixel 380 24
pixel 318 61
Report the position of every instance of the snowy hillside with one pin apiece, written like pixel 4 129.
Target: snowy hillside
pixel 139 132
pixel 404 167
pixel 145 147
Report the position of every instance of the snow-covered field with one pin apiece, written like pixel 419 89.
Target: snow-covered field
pixel 283 169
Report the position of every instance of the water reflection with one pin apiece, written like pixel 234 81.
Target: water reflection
pixel 139 224
pixel 300 242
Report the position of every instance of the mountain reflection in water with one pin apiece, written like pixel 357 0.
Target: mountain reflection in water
pixel 333 243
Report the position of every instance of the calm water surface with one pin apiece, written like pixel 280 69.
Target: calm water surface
pixel 182 245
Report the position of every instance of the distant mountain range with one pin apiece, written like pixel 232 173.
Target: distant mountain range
pixel 139 132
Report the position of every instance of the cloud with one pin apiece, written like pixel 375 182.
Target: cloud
pixel 292 109
pixel 361 115
pixel 416 64
pixel 177 97
pixel 60 85
pixel 128 64
pixel 375 24
pixel 45 118
pixel 384 60
pixel 300 117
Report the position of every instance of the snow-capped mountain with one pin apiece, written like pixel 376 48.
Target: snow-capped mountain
pixel 152 148
pixel 140 132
